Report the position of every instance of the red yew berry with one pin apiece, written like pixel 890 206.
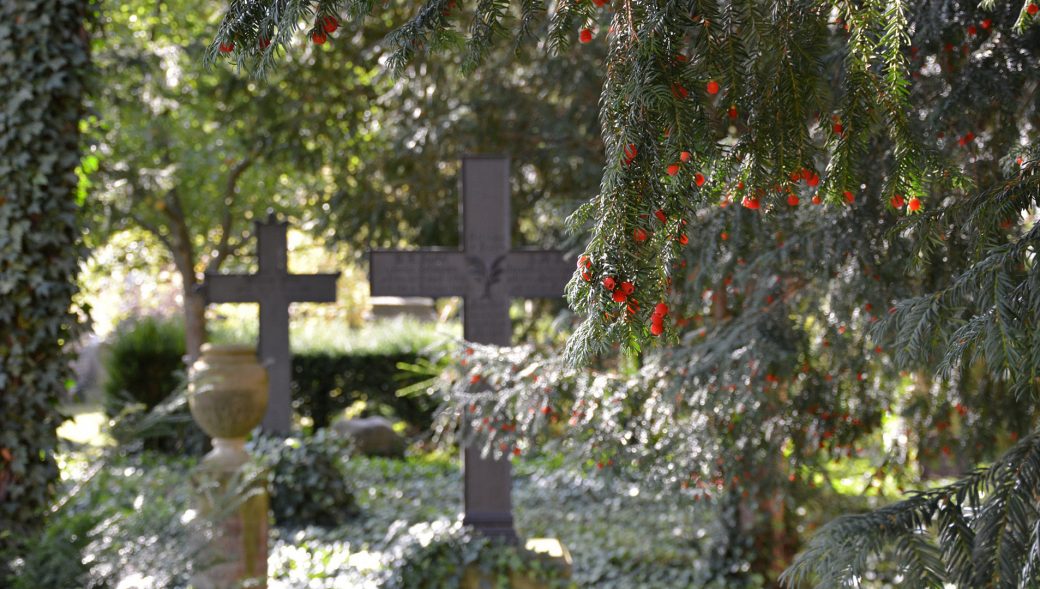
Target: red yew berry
pixel 897 201
pixel 600 2
pixel 330 24
pixel 585 36
pixel 849 197
pixel 683 239
pixel 609 283
pixel 657 326
pixel 627 287
pixel 673 169
pixel 972 30
pixel 986 24
pixel 684 157
pixel 751 202
pixel 319 37
pixel 264 43
pixel 813 180
pixel 660 215
pixel 816 199
pixel 679 91
pixel 732 112
pixel 712 87
pixel 1032 9
pixel 792 199
pixel 661 309
pixel 724 236
pixel 516 451
pixel 474 379
pixel 699 179
pixel 914 205
pixel 586 276
pixel 584 262
pixel 639 235
pixel 227 47
pixel 838 129
pixel 619 296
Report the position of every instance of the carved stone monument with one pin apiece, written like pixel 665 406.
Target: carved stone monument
pixel 487 273
pixel 274 288
pixel 227 395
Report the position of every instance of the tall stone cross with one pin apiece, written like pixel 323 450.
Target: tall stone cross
pixel 274 288
pixel 487 273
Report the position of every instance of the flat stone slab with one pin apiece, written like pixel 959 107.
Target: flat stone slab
pixel 372 436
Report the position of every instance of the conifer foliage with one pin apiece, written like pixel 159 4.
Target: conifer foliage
pixel 814 203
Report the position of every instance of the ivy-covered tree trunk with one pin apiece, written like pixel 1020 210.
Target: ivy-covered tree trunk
pixel 44 56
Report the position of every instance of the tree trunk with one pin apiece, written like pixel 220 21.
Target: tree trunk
pixel 194 320
pixel 194 303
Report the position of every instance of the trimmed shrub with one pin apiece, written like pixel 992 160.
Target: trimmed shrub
pixel 144 362
pixel 307 481
pixel 325 384
pixel 145 365
pixel 440 556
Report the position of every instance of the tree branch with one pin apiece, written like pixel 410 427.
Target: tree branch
pixel 154 230
pixel 224 249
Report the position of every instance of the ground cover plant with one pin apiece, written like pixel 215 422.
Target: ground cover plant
pixel 130 521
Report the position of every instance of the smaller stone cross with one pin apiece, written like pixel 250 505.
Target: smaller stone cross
pixel 274 288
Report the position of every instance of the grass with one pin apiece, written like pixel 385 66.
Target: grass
pixel 86 425
pixel 400 334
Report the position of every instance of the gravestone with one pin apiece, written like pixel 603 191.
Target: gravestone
pixel 274 288
pixel 421 308
pixel 371 436
pixel 487 273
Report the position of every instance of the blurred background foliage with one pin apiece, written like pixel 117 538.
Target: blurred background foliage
pixel 183 158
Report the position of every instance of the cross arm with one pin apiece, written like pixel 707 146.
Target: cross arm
pixel 419 273
pixel 537 273
pixel 229 288
pixel 311 288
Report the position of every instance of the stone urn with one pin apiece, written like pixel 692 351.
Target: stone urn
pixel 227 394
pixel 228 390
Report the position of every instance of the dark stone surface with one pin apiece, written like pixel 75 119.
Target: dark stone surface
pixel 487 273
pixel 371 436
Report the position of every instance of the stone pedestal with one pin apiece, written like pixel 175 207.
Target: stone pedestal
pixel 550 551
pixel 228 396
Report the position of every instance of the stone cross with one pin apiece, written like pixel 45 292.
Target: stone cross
pixel 274 288
pixel 487 273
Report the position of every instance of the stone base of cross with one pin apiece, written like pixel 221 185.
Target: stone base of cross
pixel 487 273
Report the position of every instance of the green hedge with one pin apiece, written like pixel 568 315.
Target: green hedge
pixel 144 363
pixel 327 383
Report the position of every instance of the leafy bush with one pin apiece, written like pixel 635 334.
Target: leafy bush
pixel 326 383
pixel 120 516
pixel 308 484
pixel 441 559
pixel 146 372
pixel 144 362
